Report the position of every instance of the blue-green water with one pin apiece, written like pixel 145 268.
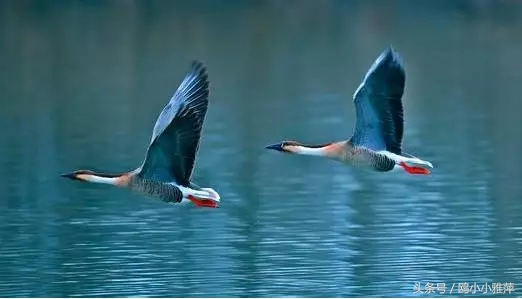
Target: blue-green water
pixel 81 85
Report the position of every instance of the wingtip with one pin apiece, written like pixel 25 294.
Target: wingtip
pixel 388 52
pixel 389 59
pixel 198 70
pixel 391 55
pixel 198 65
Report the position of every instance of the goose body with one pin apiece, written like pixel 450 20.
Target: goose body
pixel 376 142
pixel 168 165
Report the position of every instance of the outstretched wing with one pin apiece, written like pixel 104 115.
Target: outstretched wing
pixel 378 105
pixel 175 138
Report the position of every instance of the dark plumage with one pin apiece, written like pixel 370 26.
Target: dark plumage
pixel 176 135
pixel 378 105
pixel 164 191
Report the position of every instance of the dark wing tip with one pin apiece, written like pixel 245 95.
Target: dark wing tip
pixel 198 67
pixel 389 58
pixel 390 50
pixel 388 68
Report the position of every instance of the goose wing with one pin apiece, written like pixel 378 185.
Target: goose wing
pixel 175 138
pixel 378 105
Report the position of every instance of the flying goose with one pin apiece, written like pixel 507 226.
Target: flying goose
pixel 377 136
pixel 169 161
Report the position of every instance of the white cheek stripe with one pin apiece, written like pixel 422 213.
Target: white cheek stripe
pixel 302 150
pixel 102 180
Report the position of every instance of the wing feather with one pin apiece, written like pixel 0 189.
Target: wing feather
pixel 175 138
pixel 378 105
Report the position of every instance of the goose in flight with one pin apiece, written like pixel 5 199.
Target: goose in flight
pixel 167 169
pixel 377 136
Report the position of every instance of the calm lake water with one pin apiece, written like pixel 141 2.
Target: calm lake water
pixel 81 85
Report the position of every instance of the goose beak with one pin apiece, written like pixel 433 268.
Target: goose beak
pixel 70 175
pixel 276 147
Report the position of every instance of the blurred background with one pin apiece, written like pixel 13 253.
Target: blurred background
pixel 81 85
